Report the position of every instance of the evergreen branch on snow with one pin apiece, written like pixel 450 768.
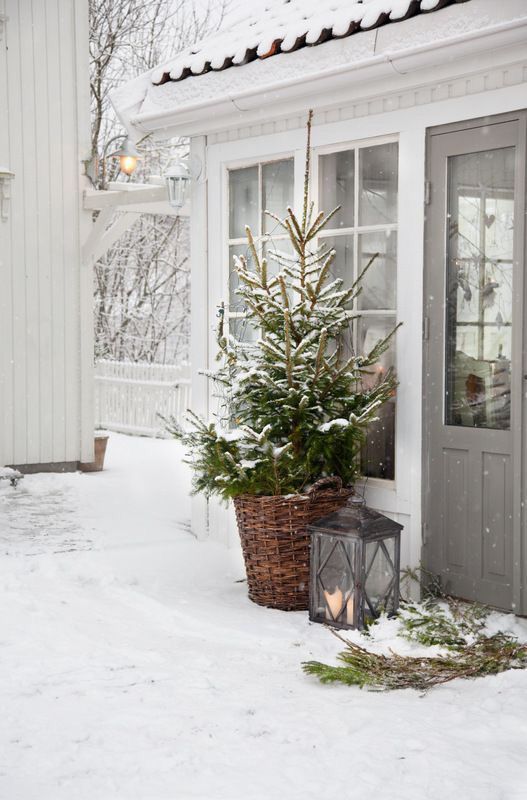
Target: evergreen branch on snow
pixel 457 627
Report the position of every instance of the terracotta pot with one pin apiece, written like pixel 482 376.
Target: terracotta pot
pixel 100 442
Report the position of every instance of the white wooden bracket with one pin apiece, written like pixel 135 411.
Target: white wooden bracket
pixel 101 238
pixel 144 198
pixel 132 199
pixel 6 176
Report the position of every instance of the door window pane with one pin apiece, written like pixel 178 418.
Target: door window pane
pixel 243 201
pixel 378 452
pixel 277 192
pixel 378 284
pixel 378 184
pixel 337 187
pixel 479 288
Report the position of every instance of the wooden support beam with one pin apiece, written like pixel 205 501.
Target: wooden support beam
pixel 96 232
pixel 112 235
pixel 131 198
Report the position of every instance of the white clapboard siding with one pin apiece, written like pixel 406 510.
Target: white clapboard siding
pixel 46 335
pixel 130 397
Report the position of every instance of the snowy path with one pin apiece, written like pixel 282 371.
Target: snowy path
pixel 134 668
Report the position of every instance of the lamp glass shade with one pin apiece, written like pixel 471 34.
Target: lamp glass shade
pixel 127 164
pixel 178 181
pixel 127 155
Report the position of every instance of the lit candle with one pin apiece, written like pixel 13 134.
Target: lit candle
pixel 334 603
pixel 350 607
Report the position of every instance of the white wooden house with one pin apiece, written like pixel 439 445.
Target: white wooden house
pixel 420 134
pixel 46 339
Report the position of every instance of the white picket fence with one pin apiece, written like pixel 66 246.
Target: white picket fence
pixel 129 397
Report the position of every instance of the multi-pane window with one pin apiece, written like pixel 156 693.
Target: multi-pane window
pixel 363 182
pixel 252 191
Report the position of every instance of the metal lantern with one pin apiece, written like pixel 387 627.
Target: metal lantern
pixel 127 155
pixel 355 558
pixel 177 180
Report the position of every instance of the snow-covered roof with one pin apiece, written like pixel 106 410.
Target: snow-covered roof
pixel 283 26
pixel 361 65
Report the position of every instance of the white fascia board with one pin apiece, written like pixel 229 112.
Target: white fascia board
pixel 387 70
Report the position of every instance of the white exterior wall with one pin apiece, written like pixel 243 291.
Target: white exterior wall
pixel 46 348
pixel 486 89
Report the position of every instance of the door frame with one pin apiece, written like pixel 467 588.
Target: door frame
pixel 519 376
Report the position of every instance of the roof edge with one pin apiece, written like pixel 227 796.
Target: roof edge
pixel 196 118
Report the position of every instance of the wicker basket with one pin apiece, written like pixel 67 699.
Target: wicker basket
pixel 275 543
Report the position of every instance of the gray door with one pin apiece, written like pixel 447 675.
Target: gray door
pixel 473 358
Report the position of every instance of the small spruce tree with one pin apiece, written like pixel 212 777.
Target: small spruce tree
pixel 295 406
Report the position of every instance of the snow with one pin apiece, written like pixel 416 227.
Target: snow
pixel 288 22
pixel 9 474
pixel 133 666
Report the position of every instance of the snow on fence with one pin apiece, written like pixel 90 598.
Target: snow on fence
pixel 128 397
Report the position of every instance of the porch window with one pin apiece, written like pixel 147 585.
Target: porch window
pixel 252 191
pixel 363 181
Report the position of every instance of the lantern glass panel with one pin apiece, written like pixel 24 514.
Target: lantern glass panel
pixel 177 190
pixel 380 577
pixel 336 580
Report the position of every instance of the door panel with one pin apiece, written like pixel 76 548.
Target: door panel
pixel 473 436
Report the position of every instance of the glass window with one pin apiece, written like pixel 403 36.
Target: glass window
pixel 243 201
pixel 359 232
pixel 378 284
pixel 479 289
pixel 277 192
pixel 252 191
pixel 378 453
pixel 342 266
pixel 378 184
pixel 337 187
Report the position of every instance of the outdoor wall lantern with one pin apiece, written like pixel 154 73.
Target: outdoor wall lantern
pixel 355 558
pixel 127 155
pixel 177 179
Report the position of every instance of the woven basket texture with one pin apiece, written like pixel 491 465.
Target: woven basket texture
pixel 275 542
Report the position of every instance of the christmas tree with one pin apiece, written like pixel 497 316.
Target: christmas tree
pixel 295 403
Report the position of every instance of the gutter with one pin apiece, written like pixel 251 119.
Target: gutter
pixel 385 65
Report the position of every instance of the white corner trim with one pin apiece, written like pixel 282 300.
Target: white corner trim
pixel 6 176
pixel 3 21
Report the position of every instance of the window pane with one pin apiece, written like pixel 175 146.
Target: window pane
pixel 235 302
pixel 242 330
pixel 272 245
pixel 378 184
pixel 243 201
pixel 277 192
pixel 378 452
pixel 379 282
pixel 342 266
pixel 337 187
pixel 479 289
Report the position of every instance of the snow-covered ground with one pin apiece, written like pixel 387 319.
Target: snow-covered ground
pixel 133 667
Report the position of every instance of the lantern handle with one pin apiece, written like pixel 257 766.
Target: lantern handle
pixel 322 483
